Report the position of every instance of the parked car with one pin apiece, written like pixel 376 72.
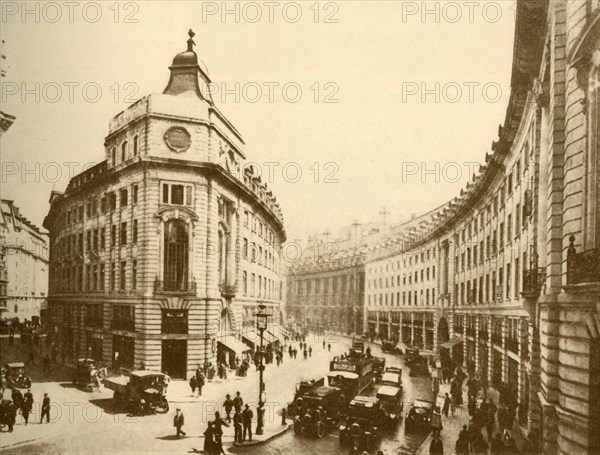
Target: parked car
pixel 419 416
pixel 142 392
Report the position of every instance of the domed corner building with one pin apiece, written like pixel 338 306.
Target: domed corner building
pixel 161 253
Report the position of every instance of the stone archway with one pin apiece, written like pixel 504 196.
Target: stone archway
pixel 443 333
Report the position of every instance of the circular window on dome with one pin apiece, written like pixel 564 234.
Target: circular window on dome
pixel 178 139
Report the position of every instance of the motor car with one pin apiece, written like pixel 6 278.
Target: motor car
pixel 140 390
pixel 390 398
pixel 362 423
pixel 318 411
pixel 419 416
pixel 15 375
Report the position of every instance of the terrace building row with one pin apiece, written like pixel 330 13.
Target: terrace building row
pixel 505 278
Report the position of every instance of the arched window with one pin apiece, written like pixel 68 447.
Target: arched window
pixel 176 256
pixel 135 145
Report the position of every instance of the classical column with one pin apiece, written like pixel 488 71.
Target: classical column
pixel 490 346
pixel 505 378
pixel 476 340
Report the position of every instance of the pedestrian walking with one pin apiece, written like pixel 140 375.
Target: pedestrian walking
pixel 27 406
pixel 446 407
pixel 209 439
pixel 45 409
pixel 435 387
pixel 228 405
pixel 247 417
pixel 10 414
pixel 436 447
pixel 200 381
pixel 178 422
pixel 462 443
pixel 238 422
pixel 329 347
pixel 323 344
pixel 193 384
pixel 238 402
pixel 218 425
pixel 490 419
pixel 305 354
pixel 310 351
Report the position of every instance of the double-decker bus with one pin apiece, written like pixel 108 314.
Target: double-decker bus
pixel 354 375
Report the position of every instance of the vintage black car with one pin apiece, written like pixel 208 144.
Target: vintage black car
pixel 362 424
pixel 84 374
pixel 389 346
pixel 318 411
pixel 302 388
pixel 419 416
pixel 15 376
pixel 142 392
pixel 392 376
pixel 390 398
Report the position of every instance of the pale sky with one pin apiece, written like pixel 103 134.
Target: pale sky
pixel 372 61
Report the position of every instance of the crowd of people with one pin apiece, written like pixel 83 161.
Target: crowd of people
pixel 22 404
pixel 490 425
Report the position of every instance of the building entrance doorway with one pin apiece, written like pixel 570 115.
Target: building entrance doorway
pixel 174 358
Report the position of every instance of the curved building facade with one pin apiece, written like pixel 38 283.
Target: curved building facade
pixel 160 253
pixel 505 278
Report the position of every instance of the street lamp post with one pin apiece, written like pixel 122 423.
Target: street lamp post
pixel 261 325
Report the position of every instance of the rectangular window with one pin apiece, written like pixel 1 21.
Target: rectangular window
pixel 103 205
pixel 95 277
pixel 122 280
pixel 134 275
pixel 188 195
pixel 88 241
pixel 102 238
pixel 113 235
pixel 174 322
pixel 177 194
pixel 113 276
pixel 112 201
pixel 134 232
pixel 517 218
pixel 135 145
pixel 123 234
pixel 245 282
pixel 80 243
pixel 517 278
pixel 134 195
pixel 95 243
pixel 80 213
pixel 246 218
pixel 123 198
pixel 509 228
pixel 124 151
pixel 508 278
pixel 101 278
pixel 165 198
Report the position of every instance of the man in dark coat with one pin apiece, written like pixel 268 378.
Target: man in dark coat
pixel 436 447
pixel 228 405
pixel 27 406
pixel 238 422
pixel 45 409
pixel 11 415
pixel 247 416
pixel 209 439
pixel 238 402
pixel 200 380
pixel 178 422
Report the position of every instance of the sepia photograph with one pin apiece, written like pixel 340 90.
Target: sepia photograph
pixel 349 227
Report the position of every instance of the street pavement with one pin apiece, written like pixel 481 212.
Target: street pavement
pixel 92 426
pixel 397 442
pixel 83 422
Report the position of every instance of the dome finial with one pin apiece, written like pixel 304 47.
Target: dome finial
pixel 190 42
